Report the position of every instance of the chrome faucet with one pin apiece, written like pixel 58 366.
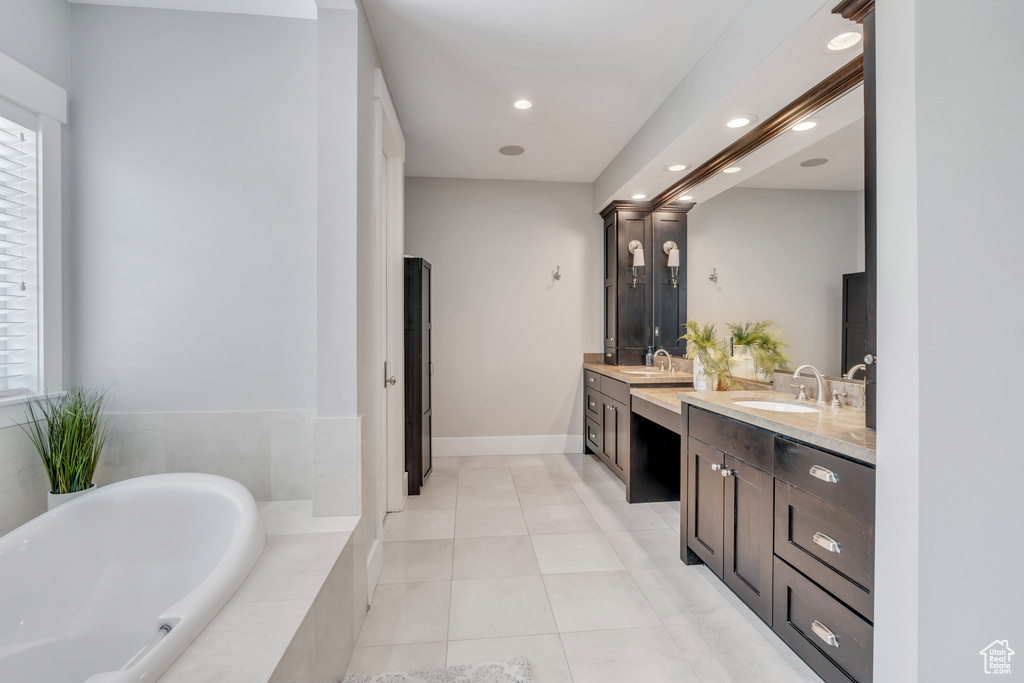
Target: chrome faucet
pixel 818 377
pixel 668 356
pixel 855 368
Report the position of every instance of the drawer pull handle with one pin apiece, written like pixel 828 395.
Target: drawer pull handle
pixel 824 474
pixel 824 633
pixel 827 543
pixel 593 405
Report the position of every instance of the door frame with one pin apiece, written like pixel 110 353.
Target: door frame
pixel 389 224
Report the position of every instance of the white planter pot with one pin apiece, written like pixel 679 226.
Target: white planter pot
pixel 55 499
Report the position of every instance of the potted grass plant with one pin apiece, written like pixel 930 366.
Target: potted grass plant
pixel 711 363
pixel 69 432
pixel 769 353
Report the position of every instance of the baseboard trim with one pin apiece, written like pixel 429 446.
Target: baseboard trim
pixel 447 447
pixel 374 566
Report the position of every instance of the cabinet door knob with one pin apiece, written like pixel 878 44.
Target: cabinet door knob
pixel 827 542
pixel 715 467
pixel 726 473
pixel 825 633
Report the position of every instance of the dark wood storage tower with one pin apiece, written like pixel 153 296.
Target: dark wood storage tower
pixel 651 311
pixel 418 370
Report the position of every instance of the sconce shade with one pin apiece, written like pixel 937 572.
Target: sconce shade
pixel 673 258
pixel 638 258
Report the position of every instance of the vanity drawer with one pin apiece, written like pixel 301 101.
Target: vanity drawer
pixel 826 634
pixel 844 483
pixel 828 544
pixel 593 403
pixel 593 435
pixel 746 442
pixel 615 390
pixel 591 380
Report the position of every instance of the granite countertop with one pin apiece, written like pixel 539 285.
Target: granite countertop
pixel 621 373
pixel 663 397
pixel 840 430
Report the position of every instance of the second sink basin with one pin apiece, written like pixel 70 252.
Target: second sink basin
pixel 644 372
pixel 777 406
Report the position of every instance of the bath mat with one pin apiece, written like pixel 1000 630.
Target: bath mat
pixel 510 671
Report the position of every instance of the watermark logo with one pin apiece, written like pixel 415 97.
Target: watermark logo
pixel 997 657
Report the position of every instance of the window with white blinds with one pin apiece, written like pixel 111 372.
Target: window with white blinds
pixel 19 296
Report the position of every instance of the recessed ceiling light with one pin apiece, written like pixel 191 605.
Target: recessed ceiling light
pixel 740 121
pixel 676 168
pixel 511 150
pixel 522 103
pixel 805 125
pixel 813 162
pixel 732 169
pixel 639 196
pixel 844 41
pixel 686 198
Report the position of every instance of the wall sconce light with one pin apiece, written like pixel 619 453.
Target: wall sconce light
pixel 672 249
pixel 636 248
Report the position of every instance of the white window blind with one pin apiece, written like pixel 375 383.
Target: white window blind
pixel 19 296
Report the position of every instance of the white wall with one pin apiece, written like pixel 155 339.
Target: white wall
pixel 508 339
pixel 37 33
pixel 780 255
pixel 949 503
pixel 194 204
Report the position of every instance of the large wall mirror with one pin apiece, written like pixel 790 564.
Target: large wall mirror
pixel 779 235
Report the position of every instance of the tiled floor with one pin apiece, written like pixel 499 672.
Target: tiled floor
pixel 540 556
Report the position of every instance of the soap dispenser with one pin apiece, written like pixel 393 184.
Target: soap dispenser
pixel 649 361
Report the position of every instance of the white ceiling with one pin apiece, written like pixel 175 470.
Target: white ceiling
pixel 597 70
pixel 844 150
pixel 301 9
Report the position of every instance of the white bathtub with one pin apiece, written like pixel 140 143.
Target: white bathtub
pixel 113 586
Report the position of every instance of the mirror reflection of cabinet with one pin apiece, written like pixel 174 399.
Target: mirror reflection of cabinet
pixel 646 307
pixel 855 308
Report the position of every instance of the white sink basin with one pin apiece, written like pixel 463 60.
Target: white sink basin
pixel 648 373
pixel 777 406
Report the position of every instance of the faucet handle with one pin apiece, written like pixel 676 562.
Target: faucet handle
pixel 802 396
pixel 836 401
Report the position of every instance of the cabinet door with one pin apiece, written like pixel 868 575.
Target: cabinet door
pixel 609 440
pixel 749 513
pixel 669 299
pixel 622 446
pixel 704 504
pixel 611 289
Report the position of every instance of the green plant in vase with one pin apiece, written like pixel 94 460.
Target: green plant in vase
pixel 748 335
pixel 711 362
pixel 69 432
pixel 769 354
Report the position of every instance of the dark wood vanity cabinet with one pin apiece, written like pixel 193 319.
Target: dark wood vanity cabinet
pixel 790 529
pixel 608 421
pixel 648 309
pixel 730 500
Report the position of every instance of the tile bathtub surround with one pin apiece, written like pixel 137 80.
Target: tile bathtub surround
pixel 590 591
pixel 296 616
pixel 337 464
pixel 23 481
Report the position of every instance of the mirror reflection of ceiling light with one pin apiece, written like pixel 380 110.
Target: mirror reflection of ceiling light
pixel 522 103
pixel 639 196
pixel 676 168
pixel 732 169
pixel 844 41
pixel 686 198
pixel 740 121
pixel 804 125
pixel 511 150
